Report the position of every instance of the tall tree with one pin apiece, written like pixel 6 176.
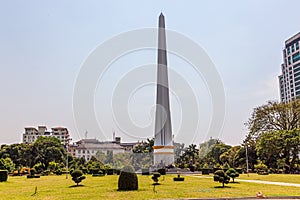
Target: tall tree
pixel 274 116
pixel 47 149
pixel 283 145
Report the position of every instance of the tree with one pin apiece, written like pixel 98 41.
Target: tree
pixel 109 157
pixel 142 155
pixel 260 167
pixel 100 156
pixel 281 145
pixel 19 154
pixel 232 173
pixel 206 147
pixel 274 116
pixel 222 177
pixel 45 150
pixel 7 164
pixel 77 176
pixel 231 156
pixel 249 146
pixel 269 147
pixel 217 151
pixel 178 150
pixel 121 160
pixel 189 157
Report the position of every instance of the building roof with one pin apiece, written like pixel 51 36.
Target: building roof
pixel 59 127
pixel 292 39
pixel 99 146
pixel 30 128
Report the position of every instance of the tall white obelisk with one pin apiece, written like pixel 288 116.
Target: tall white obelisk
pixel 163 140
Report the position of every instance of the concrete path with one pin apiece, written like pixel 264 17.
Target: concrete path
pixel 262 182
pixel 269 182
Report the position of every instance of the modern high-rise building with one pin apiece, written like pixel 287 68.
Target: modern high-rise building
pixel 289 80
pixel 163 140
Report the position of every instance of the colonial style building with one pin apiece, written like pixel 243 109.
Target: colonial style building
pixel 86 148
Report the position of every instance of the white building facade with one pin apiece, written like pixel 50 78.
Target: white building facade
pixel 86 148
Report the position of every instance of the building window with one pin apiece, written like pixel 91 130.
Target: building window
pixel 83 151
pixel 289 60
pixel 288 50
pixel 293 49
pixel 297 45
pixel 79 152
pixel 297 79
pixel 296 57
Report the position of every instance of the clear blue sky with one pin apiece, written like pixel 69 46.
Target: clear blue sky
pixel 43 45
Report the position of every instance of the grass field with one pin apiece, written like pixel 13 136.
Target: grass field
pixel 60 188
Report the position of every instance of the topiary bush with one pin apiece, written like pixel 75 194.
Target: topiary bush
pixel 128 179
pixel 3 175
pixel 155 177
pixel 178 178
pixel 232 173
pixel 239 170
pixel 220 176
pixel 77 176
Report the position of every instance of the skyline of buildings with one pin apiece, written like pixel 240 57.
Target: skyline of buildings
pixel 289 80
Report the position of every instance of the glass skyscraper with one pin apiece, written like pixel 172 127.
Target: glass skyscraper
pixel 289 80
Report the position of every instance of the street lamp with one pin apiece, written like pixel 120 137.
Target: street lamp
pixel 67 160
pixel 247 162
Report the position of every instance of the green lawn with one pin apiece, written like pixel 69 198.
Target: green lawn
pixel 58 187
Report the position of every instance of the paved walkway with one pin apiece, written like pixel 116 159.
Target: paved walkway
pixel 262 182
pixel 269 182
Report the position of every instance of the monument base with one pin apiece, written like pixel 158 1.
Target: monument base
pixel 163 155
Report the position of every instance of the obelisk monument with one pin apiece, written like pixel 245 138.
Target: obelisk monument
pixel 163 139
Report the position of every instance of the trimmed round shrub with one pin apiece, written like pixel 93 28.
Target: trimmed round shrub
pixel 222 177
pixel 232 173
pixel 3 175
pixel 77 176
pixel 239 170
pixel 155 177
pixel 128 179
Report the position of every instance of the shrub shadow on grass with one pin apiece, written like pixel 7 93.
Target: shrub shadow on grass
pixel 74 186
pixel 234 182
pixel 155 183
pixel 222 186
